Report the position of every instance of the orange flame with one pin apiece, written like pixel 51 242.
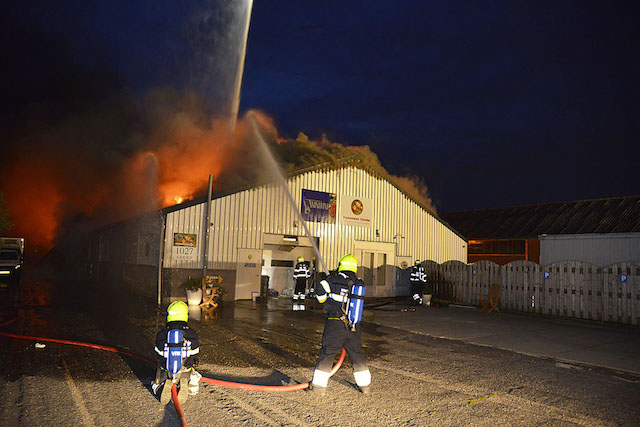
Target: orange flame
pixel 65 177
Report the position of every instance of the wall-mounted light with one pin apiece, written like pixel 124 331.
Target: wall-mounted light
pixel 377 233
pixel 295 224
pixel 398 235
pixel 290 238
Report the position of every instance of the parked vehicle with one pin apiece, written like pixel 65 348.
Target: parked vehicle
pixel 11 260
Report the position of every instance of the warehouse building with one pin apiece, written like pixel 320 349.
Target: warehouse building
pixel 599 231
pixel 256 232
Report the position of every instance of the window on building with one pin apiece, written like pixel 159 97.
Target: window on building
pixel 497 247
pixel 281 263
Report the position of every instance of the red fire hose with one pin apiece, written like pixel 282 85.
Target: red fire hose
pixel 79 344
pixel 272 387
pixel 176 403
pixel 229 384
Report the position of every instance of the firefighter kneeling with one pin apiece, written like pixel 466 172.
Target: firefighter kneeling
pixel 177 347
pixel 342 296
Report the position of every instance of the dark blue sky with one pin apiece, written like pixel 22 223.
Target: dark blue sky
pixel 493 103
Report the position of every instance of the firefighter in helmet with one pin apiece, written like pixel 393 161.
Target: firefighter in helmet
pixel 417 280
pixel 177 317
pixel 332 293
pixel 301 274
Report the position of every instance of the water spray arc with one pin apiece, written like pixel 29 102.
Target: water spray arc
pixel 273 166
pixel 235 102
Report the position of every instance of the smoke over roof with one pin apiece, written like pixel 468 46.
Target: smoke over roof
pixel 80 149
pixel 127 157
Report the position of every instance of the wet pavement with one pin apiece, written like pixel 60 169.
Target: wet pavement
pixel 600 344
pixel 445 366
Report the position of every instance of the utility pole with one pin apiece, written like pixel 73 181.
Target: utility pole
pixel 206 229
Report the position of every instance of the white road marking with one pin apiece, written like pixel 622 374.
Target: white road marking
pixel 77 397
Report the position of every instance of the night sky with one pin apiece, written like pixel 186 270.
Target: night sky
pixel 492 103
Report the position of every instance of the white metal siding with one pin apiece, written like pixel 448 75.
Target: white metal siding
pixel 240 220
pixel 599 249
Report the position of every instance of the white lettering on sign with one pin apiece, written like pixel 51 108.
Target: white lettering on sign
pixel 316 204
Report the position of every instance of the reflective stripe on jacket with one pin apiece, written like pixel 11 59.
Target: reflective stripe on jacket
pixel 189 351
pixel 301 271
pixel 191 342
pixel 333 292
pixel 418 274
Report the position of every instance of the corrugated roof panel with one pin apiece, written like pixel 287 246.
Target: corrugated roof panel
pixel 611 215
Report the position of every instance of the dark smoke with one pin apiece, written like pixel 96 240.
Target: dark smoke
pixel 81 150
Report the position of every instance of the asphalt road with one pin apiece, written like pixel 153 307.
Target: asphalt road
pixel 417 379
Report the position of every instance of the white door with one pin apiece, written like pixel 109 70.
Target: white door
pixel 374 272
pixel 248 273
pixel 377 261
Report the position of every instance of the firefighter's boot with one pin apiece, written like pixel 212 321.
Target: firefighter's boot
pixel 183 393
pixel 320 391
pixel 165 396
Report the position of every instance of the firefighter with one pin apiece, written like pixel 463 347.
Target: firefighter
pixel 177 317
pixel 300 273
pixel 333 292
pixel 417 280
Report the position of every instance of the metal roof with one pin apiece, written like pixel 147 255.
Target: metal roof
pixel 612 215
pixel 354 160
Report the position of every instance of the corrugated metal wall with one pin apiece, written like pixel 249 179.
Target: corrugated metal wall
pixel 599 249
pixel 240 220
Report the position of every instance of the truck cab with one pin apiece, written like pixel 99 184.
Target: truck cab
pixel 11 260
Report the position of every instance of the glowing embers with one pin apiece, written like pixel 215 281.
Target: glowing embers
pixel 178 199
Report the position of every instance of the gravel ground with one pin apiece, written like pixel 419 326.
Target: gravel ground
pixel 417 380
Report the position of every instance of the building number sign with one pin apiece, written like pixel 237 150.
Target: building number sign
pixel 184 246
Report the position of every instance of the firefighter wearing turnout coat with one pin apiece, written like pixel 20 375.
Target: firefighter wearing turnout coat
pixel 177 317
pixel 417 280
pixel 333 293
pixel 300 273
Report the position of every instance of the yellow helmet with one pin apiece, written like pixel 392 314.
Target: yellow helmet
pixel 348 263
pixel 418 262
pixel 177 311
pixel 300 259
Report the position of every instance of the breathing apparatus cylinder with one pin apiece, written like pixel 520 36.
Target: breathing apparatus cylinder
pixel 355 305
pixel 175 351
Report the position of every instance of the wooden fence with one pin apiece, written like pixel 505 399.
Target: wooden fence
pixel 571 289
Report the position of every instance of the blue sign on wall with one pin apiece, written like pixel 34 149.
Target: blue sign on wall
pixel 318 206
pixel 623 278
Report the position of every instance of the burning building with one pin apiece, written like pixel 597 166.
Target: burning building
pixel 347 206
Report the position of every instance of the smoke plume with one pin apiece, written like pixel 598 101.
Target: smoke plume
pixel 129 157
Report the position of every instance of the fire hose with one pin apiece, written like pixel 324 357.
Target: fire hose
pixel 176 402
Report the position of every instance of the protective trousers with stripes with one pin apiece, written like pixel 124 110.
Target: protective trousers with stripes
pixel 335 336
pixel 301 284
pixel 416 288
